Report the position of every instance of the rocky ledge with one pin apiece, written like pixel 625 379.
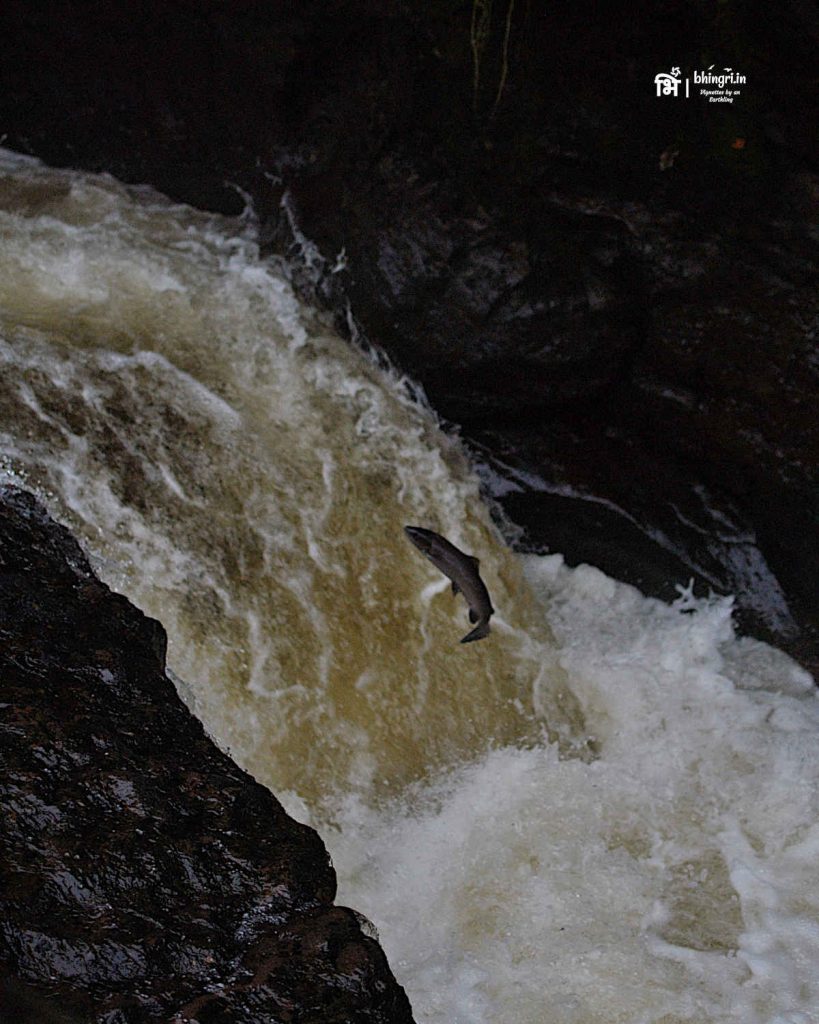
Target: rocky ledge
pixel 143 876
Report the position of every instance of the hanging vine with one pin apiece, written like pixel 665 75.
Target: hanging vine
pixel 480 31
pixel 504 57
pixel 478 35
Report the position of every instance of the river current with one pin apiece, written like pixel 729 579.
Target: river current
pixel 607 811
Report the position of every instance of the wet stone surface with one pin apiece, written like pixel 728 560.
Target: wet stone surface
pixel 143 876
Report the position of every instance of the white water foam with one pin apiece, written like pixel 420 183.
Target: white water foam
pixel 673 879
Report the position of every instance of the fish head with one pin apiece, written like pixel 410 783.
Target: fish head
pixel 421 538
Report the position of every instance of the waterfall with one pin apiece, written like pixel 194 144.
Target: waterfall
pixel 606 811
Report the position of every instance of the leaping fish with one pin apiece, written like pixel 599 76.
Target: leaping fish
pixel 462 569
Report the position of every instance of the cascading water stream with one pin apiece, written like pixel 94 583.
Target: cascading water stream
pixel 606 811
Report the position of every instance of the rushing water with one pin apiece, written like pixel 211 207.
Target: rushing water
pixel 605 812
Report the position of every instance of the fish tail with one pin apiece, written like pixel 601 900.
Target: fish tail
pixel 478 633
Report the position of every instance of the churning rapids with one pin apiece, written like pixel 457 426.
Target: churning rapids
pixel 607 811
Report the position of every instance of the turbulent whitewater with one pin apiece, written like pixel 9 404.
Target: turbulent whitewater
pixel 606 811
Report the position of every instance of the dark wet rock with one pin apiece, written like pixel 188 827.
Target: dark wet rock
pixel 23 1004
pixel 609 289
pixel 655 528
pixel 143 876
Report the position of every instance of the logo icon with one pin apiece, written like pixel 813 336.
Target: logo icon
pixel 720 87
pixel 668 83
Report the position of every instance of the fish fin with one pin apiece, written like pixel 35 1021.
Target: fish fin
pixel 478 633
pixel 455 588
pixel 473 616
